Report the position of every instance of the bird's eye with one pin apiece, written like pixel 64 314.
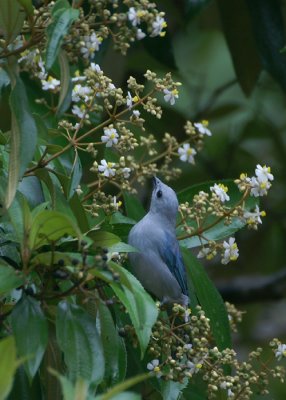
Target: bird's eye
pixel 159 193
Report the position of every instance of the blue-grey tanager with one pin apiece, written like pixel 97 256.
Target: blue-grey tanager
pixel 159 265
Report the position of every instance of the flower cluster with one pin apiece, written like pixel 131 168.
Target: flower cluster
pixel 183 350
pixel 217 206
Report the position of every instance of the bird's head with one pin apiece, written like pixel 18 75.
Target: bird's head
pixel 164 201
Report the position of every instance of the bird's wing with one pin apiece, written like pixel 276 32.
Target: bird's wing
pixel 173 258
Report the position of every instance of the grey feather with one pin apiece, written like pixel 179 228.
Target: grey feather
pixel 158 265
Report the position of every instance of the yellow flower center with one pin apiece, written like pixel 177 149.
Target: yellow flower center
pixel 263 214
pixel 205 122
pixel 189 152
pixel 157 369
pixel 284 353
pixel 110 164
pixel 162 34
pixel 223 187
pixel 82 107
pixel 263 185
pixel 199 366
pixel 112 136
pixel 175 92
pixel 164 24
pixel 243 176
pixel 140 13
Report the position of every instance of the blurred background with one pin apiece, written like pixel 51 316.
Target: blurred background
pixel 229 57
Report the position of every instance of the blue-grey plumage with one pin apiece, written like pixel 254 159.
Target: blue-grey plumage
pixel 159 265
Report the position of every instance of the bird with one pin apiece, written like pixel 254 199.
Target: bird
pixel 158 263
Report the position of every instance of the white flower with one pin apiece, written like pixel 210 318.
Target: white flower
pixel 194 367
pixel 188 346
pixel 171 96
pixel 281 351
pixel 259 188
pixel 126 172
pixel 129 100
pixel 254 217
pixel 231 251
pixel 140 34
pixel 136 113
pixel 80 111
pixel 91 45
pixel 204 252
pixel 106 168
pixel 80 93
pixel 263 173
pixel 95 68
pixel 110 137
pixel 111 86
pixel 134 16
pixel 202 128
pixel 221 191
pixel 154 366
pixel 78 77
pixel 225 385
pixel 158 25
pixel 50 84
pixel 187 153
pixel 42 74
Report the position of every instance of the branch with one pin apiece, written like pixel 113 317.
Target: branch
pixel 251 289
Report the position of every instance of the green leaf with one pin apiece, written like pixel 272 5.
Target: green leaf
pixel 49 226
pixel 122 248
pixel 28 6
pixel 219 231
pixel 115 365
pixel 79 340
pixel 139 304
pixel 117 392
pixel 23 137
pixel 246 60
pixel 8 365
pixel 30 329
pixel 11 19
pixel 66 84
pixel 61 22
pixel 118 218
pixel 31 188
pixel 133 207
pixel 103 239
pixel 171 390
pixel 210 300
pixel 79 212
pixel 75 177
pixel 9 278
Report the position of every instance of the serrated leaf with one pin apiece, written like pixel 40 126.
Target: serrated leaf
pixel 133 207
pixel 8 365
pixel 79 340
pixel 219 230
pixel 115 365
pixel 11 19
pixel 62 20
pixel 139 304
pixel 23 138
pixel 103 239
pixel 210 300
pixel 51 226
pixel 9 278
pixel 30 329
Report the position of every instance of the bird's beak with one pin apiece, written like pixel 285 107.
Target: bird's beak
pixel 154 181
